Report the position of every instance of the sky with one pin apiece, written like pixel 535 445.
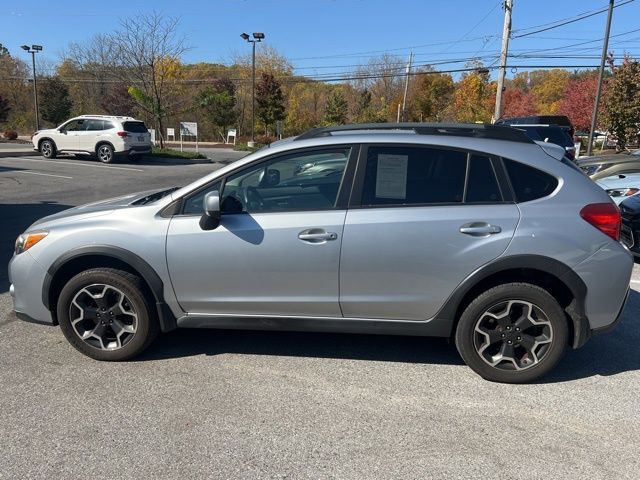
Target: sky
pixel 330 37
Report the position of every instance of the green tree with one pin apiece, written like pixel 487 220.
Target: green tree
pixel 434 95
pixel 4 109
pixel 219 103
pixel 269 101
pixel 622 101
pixel 55 104
pixel 336 111
pixel 4 51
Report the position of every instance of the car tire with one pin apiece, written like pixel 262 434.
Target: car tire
pixel 512 333
pixel 48 149
pixel 105 314
pixel 105 153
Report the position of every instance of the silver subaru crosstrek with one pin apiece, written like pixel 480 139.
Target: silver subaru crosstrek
pixel 473 232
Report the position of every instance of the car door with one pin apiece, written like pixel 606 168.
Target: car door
pixel 68 138
pixel 88 135
pixel 422 219
pixel 277 248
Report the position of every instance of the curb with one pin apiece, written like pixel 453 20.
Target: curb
pixel 5 154
pixel 174 161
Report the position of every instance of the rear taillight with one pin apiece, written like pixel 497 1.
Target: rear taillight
pixel 605 217
pixel 122 134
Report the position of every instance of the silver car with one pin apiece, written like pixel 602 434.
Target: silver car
pixel 473 232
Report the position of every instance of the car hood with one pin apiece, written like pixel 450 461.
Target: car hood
pixel 103 207
pixel 631 204
pixel 620 181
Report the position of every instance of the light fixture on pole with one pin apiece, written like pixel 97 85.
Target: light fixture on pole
pixel 257 37
pixel 33 50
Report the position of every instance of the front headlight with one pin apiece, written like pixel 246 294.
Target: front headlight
pixel 28 240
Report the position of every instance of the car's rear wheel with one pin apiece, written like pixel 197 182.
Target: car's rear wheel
pixel 512 333
pixel 105 314
pixel 48 149
pixel 105 153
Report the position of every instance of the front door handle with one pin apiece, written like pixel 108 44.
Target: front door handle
pixel 317 235
pixel 479 229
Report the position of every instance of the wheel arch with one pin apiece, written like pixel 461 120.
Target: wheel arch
pixel 78 260
pixel 104 142
pixel 47 138
pixel 552 275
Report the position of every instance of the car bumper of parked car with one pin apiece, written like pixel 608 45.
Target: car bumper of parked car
pixel 26 278
pixel 606 275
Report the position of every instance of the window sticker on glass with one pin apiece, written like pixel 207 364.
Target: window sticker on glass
pixel 391 177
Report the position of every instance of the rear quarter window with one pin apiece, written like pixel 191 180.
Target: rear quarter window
pixel 134 127
pixel 529 183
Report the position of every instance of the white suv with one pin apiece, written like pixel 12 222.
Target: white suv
pixel 100 135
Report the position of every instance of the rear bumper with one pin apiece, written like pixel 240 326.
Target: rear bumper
pixel 606 274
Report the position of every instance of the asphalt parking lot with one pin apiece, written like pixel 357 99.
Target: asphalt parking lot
pixel 234 404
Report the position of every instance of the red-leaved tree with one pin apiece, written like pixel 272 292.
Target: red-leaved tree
pixel 518 103
pixel 578 101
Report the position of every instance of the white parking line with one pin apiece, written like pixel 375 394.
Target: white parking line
pixel 43 174
pixel 79 164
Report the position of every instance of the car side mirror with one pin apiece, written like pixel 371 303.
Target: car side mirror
pixel 62 130
pixel 211 217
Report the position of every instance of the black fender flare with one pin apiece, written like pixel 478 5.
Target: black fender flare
pixel 165 316
pixel 562 272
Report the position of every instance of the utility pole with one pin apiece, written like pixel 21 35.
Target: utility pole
pixel 506 33
pixel 605 46
pixel 406 88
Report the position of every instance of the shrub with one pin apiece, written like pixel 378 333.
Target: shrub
pixel 265 139
pixel 10 134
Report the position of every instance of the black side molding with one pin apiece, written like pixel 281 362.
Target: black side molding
pixel 165 316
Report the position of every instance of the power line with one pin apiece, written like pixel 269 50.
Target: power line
pixel 562 23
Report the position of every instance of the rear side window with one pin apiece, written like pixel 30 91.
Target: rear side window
pixel 413 175
pixel 482 186
pixel 134 127
pixel 94 125
pixel 529 183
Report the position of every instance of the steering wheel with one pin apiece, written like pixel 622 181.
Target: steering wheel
pixel 252 199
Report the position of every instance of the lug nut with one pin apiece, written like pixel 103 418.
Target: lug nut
pixel 502 335
pixel 509 342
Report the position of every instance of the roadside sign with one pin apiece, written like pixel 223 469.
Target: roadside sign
pixel 231 133
pixel 188 129
pixel 171 132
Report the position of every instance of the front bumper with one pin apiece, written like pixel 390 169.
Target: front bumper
pixel 26 278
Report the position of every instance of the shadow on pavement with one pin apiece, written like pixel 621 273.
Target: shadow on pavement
pixel 606 354
pixel 15 219
pixel 183 343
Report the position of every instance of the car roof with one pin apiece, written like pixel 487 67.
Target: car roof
pixel 110 117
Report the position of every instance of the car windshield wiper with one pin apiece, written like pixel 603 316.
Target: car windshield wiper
pixel 155 196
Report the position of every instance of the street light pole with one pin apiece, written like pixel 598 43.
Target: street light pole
pixel 594 115
pixel 257 37
pixel 33 50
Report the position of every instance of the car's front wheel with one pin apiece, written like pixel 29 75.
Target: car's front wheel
pixel 105 314
pixel 48 149
pixel 105 153
pixel 512 333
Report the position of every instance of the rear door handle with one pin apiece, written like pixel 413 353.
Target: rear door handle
pixel 479 229
pixel 316 235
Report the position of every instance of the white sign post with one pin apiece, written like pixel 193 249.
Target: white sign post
pixel 188 129
pixel 231 133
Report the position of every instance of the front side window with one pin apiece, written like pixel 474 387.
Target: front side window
pixel 413 175
pixel 294 182
pixel 74 126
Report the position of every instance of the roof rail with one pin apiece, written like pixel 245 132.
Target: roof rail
pixel 477 130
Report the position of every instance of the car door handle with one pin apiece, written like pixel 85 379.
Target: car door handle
pixel 479 229
pixel 316 235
